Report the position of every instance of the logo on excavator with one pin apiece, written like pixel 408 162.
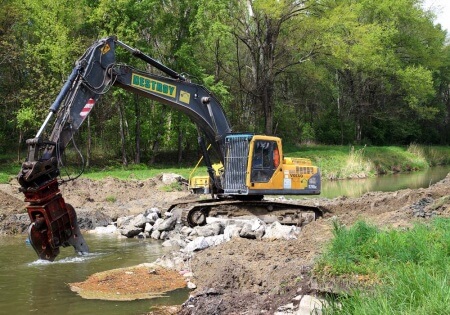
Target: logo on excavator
pixel 153 85
pixel 105 49
pixel 185 97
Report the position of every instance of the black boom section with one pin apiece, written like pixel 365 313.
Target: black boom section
pixel 193 100
pixel 87 83
pixel 96 71
pixel 93 75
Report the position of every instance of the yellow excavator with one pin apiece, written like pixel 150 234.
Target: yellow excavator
pixel 249 167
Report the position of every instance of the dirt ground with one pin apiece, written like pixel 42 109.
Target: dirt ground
pixel 250 276
pixel 259 276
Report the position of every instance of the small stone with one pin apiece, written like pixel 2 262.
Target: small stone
pixel 191 285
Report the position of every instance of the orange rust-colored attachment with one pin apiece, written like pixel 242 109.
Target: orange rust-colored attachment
pixel 53 222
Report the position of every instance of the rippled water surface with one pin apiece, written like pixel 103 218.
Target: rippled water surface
pixel 31 286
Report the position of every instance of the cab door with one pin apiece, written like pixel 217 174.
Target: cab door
pixel 265 160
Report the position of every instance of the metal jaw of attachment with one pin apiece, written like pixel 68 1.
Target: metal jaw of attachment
pixel 53 222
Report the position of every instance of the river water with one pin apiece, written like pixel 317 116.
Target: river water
pixel 31 286
pixel 358 187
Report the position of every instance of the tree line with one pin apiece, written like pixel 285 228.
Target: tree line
pixel 310 71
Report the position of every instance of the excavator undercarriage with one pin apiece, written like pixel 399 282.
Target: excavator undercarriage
pixel 195 213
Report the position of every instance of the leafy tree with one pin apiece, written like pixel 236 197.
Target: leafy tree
pixel 46 38
pixel 264 36
pixel 26 120
pixel 10 69
pixel 332 71
pixel 378 51
pixel 160 29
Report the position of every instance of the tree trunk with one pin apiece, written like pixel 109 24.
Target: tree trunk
pixel 267 102
pixel 19 146
pixel 155 149
pixel 122 134
pixel 339 107
pixel 358 127
pixel 137 110
pixel 157 142
pixel 180 139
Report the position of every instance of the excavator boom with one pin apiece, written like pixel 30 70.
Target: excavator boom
pixel 250 165
pixel 53 222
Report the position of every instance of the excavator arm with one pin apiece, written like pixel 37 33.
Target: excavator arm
pixel 54 222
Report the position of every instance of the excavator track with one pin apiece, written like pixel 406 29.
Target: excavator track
pixel 195 213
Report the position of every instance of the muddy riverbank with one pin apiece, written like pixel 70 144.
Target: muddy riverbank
pixel 243 275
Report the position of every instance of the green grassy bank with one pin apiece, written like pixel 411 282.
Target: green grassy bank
pixel 335 162
pixel 342 162
pixel 389 271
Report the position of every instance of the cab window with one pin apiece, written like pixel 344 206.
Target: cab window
pixel 265 160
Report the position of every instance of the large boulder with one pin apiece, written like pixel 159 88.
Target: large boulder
pixel 186 230
pixel 174 242
pixel 139 221
pixel 197 244
pixel 130 230
pixel 232 231
pixel 157 223
pixel 253 230
pixel 170 178
pixel 152 214
pixel 123 221
pixel 211 229
pixel 202 242
pixel 148 228
pixel 152 217
pixel 89 220
pixel 302 305
pixel 278 231
pixel 165 225
pixel 155 234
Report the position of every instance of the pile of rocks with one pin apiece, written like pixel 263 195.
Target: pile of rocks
pixel 152 224
pixel 427 207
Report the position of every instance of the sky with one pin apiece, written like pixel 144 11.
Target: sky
pixel 442 10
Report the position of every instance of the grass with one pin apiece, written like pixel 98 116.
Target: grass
pixel 335 162
pixel 111 198
pixel 138 171
pixel 341 162
pixel 8 171
pixel 408 271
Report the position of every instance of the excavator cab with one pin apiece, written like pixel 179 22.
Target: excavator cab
pixel 255 166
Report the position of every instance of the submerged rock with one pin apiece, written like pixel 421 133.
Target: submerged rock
pixel 109 229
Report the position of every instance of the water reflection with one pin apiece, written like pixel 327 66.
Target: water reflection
pixel 29 285
pixel 358 187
